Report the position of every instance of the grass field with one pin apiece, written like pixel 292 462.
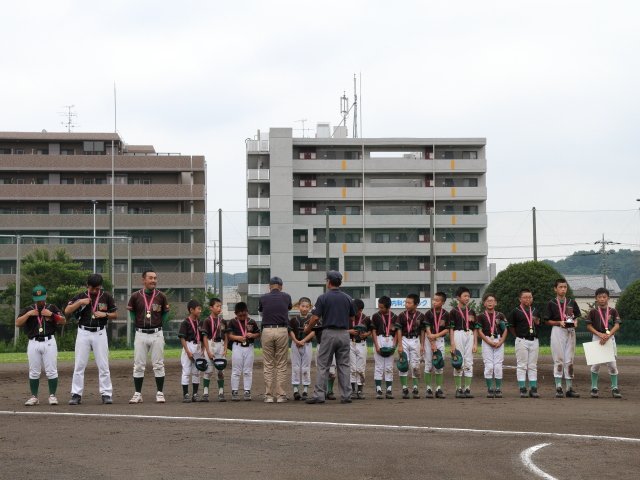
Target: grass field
pixel 623 350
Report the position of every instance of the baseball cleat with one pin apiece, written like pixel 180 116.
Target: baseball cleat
pixel 571 393
pixel 416 394
pixel 205 398
pixel 523 392
pixel 137 398
pixel 195 398
pixel 106 399
pixel 330 395
pixel 280 400
pixel 247 395
pixel 33 400
pixel 439 393
pixel 221 397
pixel 405 393
pixel 159 397
pixel 389 394
pixel 379 394
pixel 533 392
pixel 353 395
pixel 76 399
pixel 53 400
pixel 268 400
pixel 234 396
pixel 594 392
pixel 297 396
pixel 186 398
pixel 429 393
pixel 467 393
pixel 460 393
pixel 346 400
pixel 305 395
pixel 361 395
pixel 616 392
pixel 490 393
pixel 498 393
pixel 559 392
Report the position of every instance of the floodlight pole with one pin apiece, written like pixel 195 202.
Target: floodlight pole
pixel 129 267
pixel 17 306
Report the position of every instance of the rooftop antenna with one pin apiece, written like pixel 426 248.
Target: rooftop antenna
pixel 355 108
pixel 69 114
pixel 345 108
pixel 303 129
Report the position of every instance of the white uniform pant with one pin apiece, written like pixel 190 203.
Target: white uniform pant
pixel 43 352
pixel 563 348
pixel 241 366
pixel 527 359
pixel 85 342
pixel 383 365
pixel 358 360
pixel 612 366
pixel 143 345
pixel 217 349
pixel 464 343
pixel 493 359
pixel 189 370
pixel 412 348
pixel 428 355
pixel 332 367
pixel 301 364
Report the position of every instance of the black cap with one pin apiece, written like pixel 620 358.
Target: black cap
pixel 334 275
pixel 275 281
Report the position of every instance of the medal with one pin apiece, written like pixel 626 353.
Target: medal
pixel 387 326
pixel 40 329
pixel 93 315
pixel 148 305
pixel 528 317
pixel 94 306
pixel 492 336
pixel 410 325
pixel 492 322
pixel 531 330
pixel 437 319
pixel 40 321
pixel 608 332
pixel 465 316
pixel 243 331
pixel 195 329
pixel 604 319
pixel 148 314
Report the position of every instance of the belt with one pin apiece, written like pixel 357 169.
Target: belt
pixel 149 330
pixel 331 327
pixel 238 344
pixel 91 329
pixel 358 340
pixel 195 343
pixel 218 341
pixel 411 336
pixel 527 338
pixel 274 326
pixel 42 339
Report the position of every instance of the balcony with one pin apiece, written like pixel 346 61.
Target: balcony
pixel 154 221
pixel 257 203
pixel 419 220
pixel 138 250
pixel 259 260
pixel 258 231
pixel 258 288
pixel 257 146
pixel 173 192
pixel 258 174
pixel 390 165
pixel 102 163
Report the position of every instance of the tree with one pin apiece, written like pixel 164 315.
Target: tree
pixel 628 304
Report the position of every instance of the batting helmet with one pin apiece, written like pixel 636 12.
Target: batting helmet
pixel 403 363
pixel 437 359
pixel 219 363
pixel 456 360
pixel 201 364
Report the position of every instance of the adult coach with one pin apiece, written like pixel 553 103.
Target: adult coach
pixel 274 308
pixel 336 309
pixel 93 309
pixel 149 309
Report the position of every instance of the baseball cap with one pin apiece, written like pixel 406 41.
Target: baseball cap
pixel 275 281
pixel 334 275
pixel 39 293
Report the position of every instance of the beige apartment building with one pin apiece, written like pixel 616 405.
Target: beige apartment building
pixel 49 180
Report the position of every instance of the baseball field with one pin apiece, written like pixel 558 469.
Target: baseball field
pixel 368 439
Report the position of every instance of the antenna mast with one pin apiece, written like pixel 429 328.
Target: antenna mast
pixel 70 124
pixel 303 129
pixel 344 108
pixel 355 108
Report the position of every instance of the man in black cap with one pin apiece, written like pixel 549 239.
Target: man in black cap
pixel 336 309
pixel 274 308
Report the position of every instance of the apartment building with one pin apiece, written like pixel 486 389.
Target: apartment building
pixel 49 180
pixel 380 193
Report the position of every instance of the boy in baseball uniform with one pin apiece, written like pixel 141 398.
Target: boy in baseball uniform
pixel 465 339
pixel 604 322
pixel 358 354
pixel 408 333
pixel 40 322
pixel 561 314
pixel 435 325
pixel 524 322
pixel 93 308
pixel 242 331
pixel 191 349
pixel 384 335
pixel 148 309
pixel 301 350
pixel 493 332
pixel 215 343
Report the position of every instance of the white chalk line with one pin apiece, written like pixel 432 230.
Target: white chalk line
pixel 525 456
pixel 328 424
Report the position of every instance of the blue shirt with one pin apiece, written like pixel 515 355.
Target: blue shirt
pixel 335 307
pixel 275 307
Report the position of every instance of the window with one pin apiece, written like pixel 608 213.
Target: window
pixel 5 151
pixel 119 179
pixel 87 181
pixel 352 238
pixel 308 180
pixel 68 151
pixel 382 238
pixel 475 292
pixel 66 211
pixel 146 181
pixel 471 265
pixel 88 211
pixel 146 210
pixel 42 151
pixel 352 182
pixel 470 210
pixel 469 237
pixel 469 182
pixel 307 153
pixel 94 148
pixel 331 155
pixel 450 237
pixel 448 182
pixel 42 181
pixel 5 210
pixel 42 241
pixel 448 155
pixel 133 210
pixel 449 209
pixel 19 181
pixel 352 155
pixel 101 181
pixel 19 151
pixel 20 210
pixel 67 181
pixel 382 266
pixel 471 155
pixel 68 241
pixel 403 266
pixel 353 265
pixel 331 182
pixel 42 210
pixel 120 208
pixel 450 265
pixel 134 181
pixel 352 210
pixel 403 237
pixel 146 239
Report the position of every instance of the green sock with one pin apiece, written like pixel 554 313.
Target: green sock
pixel 520 384
pixel 403 381
pixel 360 387
pixel 34 383
pixel 558 382
pixel 438 380
pixel 614 381
pixel 594 380
pixel 185 389
pixel 427 379
pixel 533 384
pixel 220 384
pixel 305 388
pixel 53 385
pixel 195 388
pixel 353 387
pixel 567 382
pixel 489 382
pixel 295 387
pixel 415 382
pixel 498 383
pixel 378 384
pixel 206 383
pixel 138 383
pixel 330 387
pixel 389 384
pixel 458 381
pixel 159 383
pixel 467 382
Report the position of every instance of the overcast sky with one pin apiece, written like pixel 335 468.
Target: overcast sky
pixel 553 86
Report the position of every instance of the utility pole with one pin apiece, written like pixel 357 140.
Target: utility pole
pixel 326 242
pixel 18 273
pixel 220 251
pixel 129 268
pixel 535 236
pixel 604 253
pixel 432 258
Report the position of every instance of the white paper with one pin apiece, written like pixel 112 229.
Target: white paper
pixel 596 353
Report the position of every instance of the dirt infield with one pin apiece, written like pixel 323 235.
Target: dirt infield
pixel 316 442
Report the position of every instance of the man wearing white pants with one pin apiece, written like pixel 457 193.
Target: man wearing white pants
pixel 408 332
pixel 358 353
pixel 523 323
pixel 465 339
pixel 93 309
pixel 493 332
pixel 242 331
